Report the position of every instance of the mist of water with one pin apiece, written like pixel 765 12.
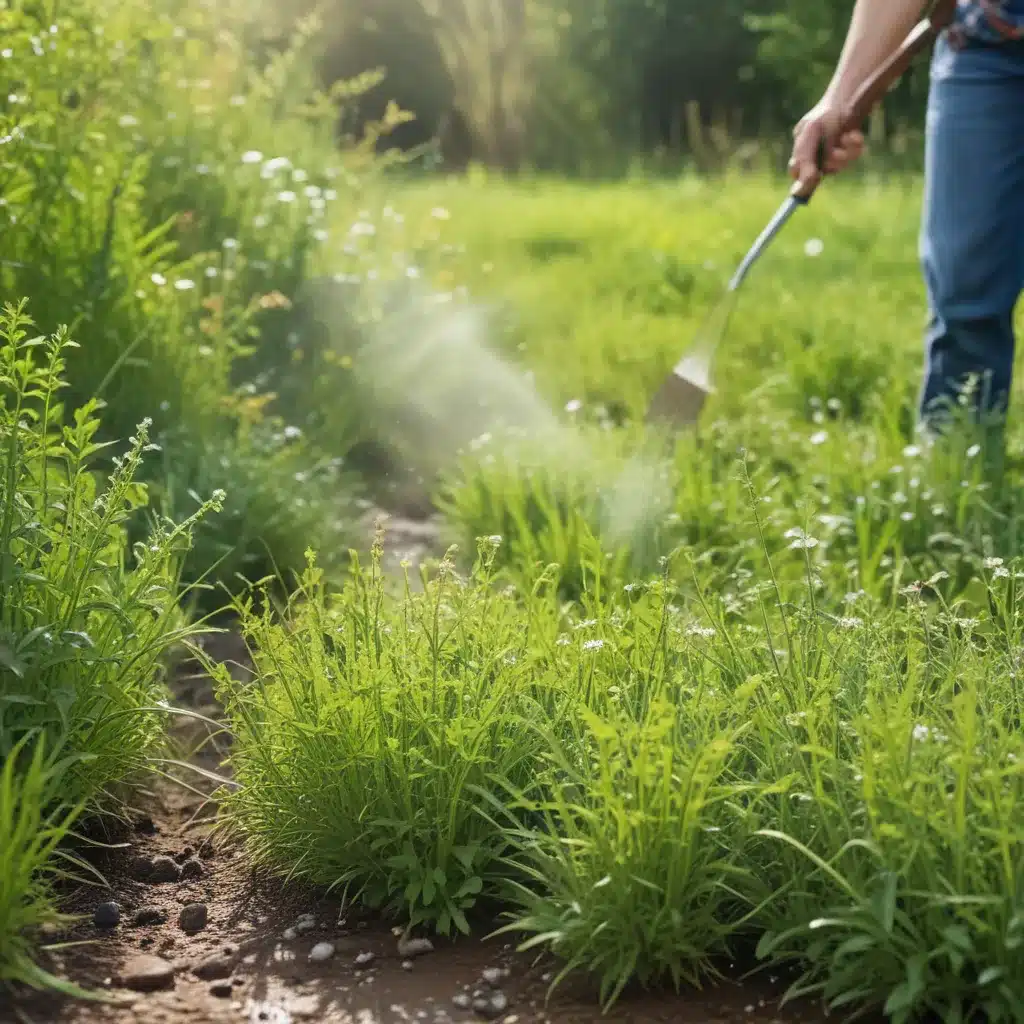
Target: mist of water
pixel 439 387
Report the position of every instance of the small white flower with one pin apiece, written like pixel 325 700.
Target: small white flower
pixel 230 243
pixel 911 451
pixel 993 563
pixel 184 285
pixel 287 196
pixel 573 405
pixel 127 121
pixel 593 645
pixel 973 450
pixel 158 279
pixel 921 733
pixel 850 622
pixel 252 156
pixel 440 213
pixel 820 437
pixel 814 247
pixel 705 632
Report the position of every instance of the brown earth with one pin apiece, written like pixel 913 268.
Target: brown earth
pixel 244 965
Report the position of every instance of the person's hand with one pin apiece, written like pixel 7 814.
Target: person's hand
pixel 823 123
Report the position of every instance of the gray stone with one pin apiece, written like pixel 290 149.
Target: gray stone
pixel 148 915
pixel 192 869
pixel 409 948
pixel 147 974
pixel 107 915
pixel 221 989
pixel 215 968
pixel 491 1007
pixel 193 918
pixel 164 869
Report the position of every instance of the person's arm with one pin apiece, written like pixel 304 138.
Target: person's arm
pixel 877 28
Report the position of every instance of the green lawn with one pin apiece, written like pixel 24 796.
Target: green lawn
pixel 606 285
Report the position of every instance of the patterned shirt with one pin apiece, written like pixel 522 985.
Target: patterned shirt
pixel 989 21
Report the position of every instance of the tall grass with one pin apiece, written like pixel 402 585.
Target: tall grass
pixel 86 623
pixel 775 721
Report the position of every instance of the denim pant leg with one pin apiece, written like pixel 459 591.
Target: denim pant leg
pixel 972 238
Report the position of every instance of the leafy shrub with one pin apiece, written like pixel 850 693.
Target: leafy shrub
pixel 148 216
pixel 382 721
pixel 85 624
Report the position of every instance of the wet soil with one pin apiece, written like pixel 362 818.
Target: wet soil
pixel 250 961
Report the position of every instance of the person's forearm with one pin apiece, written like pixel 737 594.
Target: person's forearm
pixel 877 28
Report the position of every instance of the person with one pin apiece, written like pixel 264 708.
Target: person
pixel 972 225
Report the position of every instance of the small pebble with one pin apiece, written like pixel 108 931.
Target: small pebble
pixel 148 915
pixel 192 869
pixel 491 976
pixel 322 951
pixel 107 915
pixel 305 923
pixel 215 968
pixel 164 869
pixel 193 917
pixel 407 965
pixel 147 974
pixel 462 1001
pixel 289 935
pixel 364 959
pixel 409 948
pixel 221 989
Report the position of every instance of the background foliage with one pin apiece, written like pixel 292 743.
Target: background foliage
pixel 598 82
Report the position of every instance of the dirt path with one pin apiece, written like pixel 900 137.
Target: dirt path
pixel 218 941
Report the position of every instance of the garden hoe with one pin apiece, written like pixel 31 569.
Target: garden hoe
pixel 679 402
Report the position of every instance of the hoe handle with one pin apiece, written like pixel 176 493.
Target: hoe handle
pixel 924 33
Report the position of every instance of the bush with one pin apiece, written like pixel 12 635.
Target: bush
pixel 85 630
pixel 402 713
pixel 148 215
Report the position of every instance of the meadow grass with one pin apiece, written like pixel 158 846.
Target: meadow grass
pixel 780 713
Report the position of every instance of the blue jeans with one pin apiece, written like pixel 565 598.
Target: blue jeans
pixel 972 237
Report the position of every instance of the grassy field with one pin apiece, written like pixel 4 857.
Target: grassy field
pixel 752 693
pixel 780 711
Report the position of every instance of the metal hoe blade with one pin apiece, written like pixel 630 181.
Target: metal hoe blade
pixel 679 401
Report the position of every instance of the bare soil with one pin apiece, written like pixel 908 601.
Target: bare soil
pixel 245 964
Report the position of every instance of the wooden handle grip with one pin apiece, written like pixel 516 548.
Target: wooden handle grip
pixel 874 89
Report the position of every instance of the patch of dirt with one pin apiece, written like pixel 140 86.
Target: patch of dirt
pixel 247 956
